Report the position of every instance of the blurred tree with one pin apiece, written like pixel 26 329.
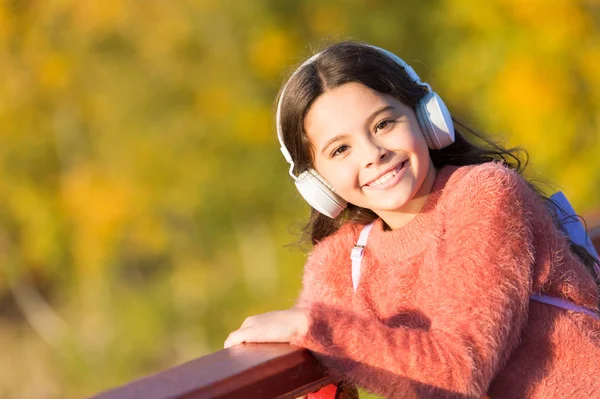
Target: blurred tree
pixel 144 204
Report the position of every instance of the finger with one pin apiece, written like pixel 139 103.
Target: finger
pixel 240 336
pixel 233 339
pixel 247 322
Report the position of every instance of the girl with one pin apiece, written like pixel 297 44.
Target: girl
pixel 437 270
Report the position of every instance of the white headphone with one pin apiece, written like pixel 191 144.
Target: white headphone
pixel 434 119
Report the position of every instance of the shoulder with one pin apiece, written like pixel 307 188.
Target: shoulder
pixel 336 247
pixel 492 194
pixel 327 271
pixel 487 183
pixel 486 176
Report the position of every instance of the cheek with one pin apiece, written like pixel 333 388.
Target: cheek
pixel 405 140
pixel 341 177
pixel 416 146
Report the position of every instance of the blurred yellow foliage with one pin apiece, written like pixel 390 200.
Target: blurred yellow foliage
pixel 526 95
pixel 5 27
pixel 36 218
pixel 54 73
pixel 589 59
pixel 271 51
pixel 97 208
pixel 253 125
pixel 142 192
pixel 481 16
pixel 214 102
pixel 90 16
pixel 326 19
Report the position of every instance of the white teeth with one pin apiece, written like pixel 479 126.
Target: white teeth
pixel 385 178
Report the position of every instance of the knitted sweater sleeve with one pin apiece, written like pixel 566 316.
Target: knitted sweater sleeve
pixel 475 297
pixel 315 293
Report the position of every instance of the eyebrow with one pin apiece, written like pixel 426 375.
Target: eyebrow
pixel 368 121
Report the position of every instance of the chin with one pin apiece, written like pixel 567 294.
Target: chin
pixel 389 207
pixel 394 204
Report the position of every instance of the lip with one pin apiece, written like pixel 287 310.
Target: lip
pixel 400 166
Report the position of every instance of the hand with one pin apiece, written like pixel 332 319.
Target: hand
pixel 276 326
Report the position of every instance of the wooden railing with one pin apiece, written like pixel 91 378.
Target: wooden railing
pixel 248 371
pixel 244 371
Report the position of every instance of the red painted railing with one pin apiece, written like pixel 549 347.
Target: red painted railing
pixel 244 371
pixel 248 371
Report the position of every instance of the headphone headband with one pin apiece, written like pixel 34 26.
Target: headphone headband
pixel 282 148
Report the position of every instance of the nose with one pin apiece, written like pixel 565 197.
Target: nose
pixel 374 153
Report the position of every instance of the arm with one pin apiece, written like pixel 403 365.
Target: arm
pixel 316 271
pixel 476 299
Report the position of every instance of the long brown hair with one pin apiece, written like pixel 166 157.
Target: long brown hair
pixel 347 62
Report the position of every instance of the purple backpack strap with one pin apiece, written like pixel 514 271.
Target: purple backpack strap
pixel 563 303
pixel 572 226
pixel 570 223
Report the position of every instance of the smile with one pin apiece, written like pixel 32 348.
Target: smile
pixel 389 178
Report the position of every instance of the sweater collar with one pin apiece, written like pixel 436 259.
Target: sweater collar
pixel 412 237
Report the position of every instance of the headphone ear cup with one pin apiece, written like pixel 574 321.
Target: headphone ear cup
pixel 319 194
pixel 435 121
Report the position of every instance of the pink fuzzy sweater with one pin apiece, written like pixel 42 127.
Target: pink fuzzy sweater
pixel 442 309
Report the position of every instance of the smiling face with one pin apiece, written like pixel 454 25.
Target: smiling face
pixel 370 148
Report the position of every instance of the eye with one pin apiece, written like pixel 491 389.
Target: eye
pixel 339 150
pixel 384 125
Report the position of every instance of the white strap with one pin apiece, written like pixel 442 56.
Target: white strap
pixel 357 253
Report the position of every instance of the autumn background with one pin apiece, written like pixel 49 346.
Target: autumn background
pixel 144 205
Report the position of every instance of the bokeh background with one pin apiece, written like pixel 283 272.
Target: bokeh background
pixel 144 205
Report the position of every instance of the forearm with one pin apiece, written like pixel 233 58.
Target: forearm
pixel 392 361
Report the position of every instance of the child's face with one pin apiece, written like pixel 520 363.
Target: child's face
pixel 370 148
